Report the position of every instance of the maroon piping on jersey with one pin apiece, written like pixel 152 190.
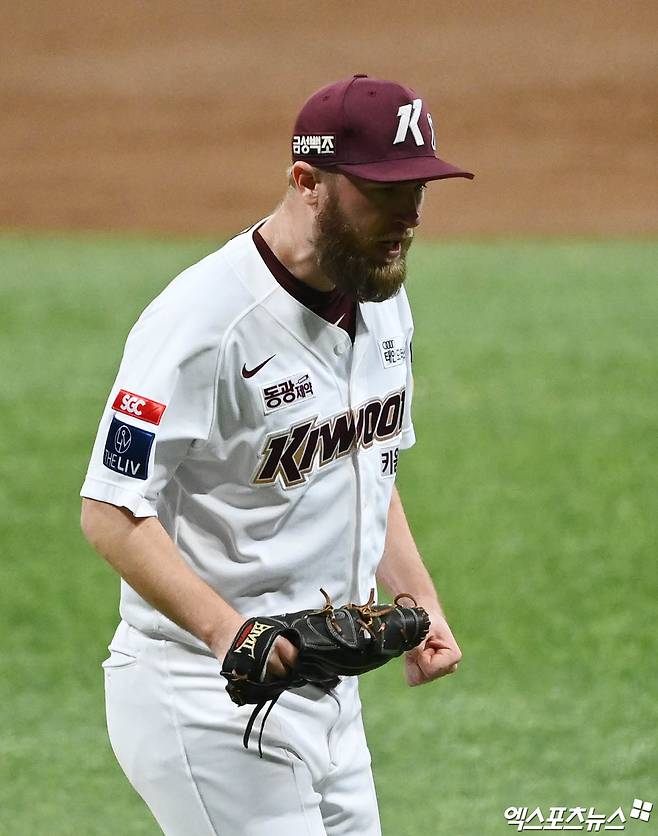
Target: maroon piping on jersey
pixel 332 305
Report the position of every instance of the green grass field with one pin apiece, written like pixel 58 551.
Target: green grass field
pixel 532 492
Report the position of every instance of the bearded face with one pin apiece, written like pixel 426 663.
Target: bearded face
pixel 356 263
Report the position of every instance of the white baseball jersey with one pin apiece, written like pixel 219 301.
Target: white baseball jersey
pixel 261 437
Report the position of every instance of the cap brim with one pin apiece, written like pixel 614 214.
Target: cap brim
pixel 400 171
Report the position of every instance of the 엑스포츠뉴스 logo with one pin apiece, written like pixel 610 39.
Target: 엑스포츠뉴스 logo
pixel 583 818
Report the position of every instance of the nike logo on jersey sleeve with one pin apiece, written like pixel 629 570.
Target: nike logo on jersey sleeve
pixel 246 373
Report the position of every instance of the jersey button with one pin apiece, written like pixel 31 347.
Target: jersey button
pixel 340 349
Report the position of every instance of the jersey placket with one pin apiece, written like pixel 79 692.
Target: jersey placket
pixel 359 348
pixel 330 345
pixel 344 351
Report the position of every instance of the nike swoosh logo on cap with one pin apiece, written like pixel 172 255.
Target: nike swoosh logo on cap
pixel 251 372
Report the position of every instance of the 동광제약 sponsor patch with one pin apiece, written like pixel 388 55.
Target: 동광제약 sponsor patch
pixel 288 391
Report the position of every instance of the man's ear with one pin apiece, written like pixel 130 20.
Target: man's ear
pixel 306 179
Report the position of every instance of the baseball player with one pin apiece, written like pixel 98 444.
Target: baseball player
pixel 247 457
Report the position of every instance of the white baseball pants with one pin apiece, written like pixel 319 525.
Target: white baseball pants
pixel 178 738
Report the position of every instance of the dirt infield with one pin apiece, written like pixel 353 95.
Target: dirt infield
pixel 176 117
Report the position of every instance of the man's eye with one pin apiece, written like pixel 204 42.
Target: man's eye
pixel 388 189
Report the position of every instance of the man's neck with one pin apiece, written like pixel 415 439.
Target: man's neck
pixel 288 233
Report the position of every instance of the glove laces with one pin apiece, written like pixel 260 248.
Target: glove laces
pixel 366 613
pixel 252 720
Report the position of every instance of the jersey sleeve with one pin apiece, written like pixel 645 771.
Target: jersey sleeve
pixel 161 404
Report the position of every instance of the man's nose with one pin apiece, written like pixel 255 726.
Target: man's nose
pixel 408 211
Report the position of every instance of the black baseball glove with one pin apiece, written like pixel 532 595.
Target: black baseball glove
pixel 332 642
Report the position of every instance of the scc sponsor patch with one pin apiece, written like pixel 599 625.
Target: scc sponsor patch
pixel 393 351
pixel 140 407
pixel 127 449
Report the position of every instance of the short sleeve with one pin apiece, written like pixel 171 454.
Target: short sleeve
pixel 162 402
pixel 408 434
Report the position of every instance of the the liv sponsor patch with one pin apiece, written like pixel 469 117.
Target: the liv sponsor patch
pixel 127 449
pixel 393 351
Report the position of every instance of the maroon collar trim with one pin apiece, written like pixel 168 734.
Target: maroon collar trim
pixel 334 306
pixel 308 296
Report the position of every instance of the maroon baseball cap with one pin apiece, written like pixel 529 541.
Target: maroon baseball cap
pixel 374 129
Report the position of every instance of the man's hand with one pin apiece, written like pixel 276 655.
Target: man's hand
pixel 401 569
pixel 282 658
pixel 437 656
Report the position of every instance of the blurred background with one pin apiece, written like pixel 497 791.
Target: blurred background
pixel 170 116
pixel 135 137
